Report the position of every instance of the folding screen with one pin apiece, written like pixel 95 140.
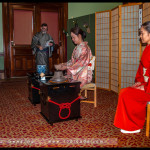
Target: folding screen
pixel 146 12
pixel 129 50
pixel 114 49
pixel 117 47
pixel 102 41
pixel 146 15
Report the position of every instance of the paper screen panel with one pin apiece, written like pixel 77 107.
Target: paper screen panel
pixel 130 45
pixel 114 49
pixel 102 49
pixel 146 15
pixel 146 12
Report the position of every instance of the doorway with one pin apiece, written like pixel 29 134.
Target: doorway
pixel 22 21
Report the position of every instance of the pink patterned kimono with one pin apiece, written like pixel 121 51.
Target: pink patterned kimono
pixel 77 67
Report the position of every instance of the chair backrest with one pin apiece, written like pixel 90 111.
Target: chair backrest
pixel 91 65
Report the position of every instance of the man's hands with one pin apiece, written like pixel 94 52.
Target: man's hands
pixel 40 47
pixel 50 44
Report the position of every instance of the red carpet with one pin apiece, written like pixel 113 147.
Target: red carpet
pixel 21 124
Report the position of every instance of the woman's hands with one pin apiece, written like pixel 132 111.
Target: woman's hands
pixel 57 67
pixel 60 67
pixel 138 85
pixel 141 87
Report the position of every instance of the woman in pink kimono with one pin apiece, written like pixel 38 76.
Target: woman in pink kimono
pixel 78 68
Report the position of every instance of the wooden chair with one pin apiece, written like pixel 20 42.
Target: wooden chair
pixel 148 119
pixel 90 86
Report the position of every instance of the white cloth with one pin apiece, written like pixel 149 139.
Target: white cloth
pixel 145 77
pixel 92 61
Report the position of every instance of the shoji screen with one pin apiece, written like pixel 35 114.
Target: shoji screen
pixel 146 12
pixel 129 48
pixel 117 46
pixel 114 49
pixel 146 15
pixel 102 39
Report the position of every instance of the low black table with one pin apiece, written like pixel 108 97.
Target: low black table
pixel 59 101
pixel 33 89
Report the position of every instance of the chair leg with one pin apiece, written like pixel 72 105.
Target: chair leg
pixel 81 92
pixel 147 120
pixel 95 97
pixel 85 93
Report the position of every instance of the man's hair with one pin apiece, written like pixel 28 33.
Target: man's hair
pixel 43 24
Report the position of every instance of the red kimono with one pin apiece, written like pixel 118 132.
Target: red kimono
pixel 131 109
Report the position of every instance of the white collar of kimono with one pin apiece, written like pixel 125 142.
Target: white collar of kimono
pixel 82 43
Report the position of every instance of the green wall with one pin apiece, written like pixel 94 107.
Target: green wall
pixel 81 11
pixel 1 62
pixel 85 8
pixel 90 38
pixel 85 12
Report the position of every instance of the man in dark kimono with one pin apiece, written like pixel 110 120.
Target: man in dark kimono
pixel 42 45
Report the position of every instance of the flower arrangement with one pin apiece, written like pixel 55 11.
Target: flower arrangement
pixel 85 25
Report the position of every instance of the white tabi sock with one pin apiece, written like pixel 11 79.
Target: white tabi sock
pixel 135 131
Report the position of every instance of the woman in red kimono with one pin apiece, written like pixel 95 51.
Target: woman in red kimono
pixel 132 101
pixel 78 66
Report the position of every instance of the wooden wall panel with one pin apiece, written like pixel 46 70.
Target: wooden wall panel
pixel 51 18
pixel 23 26
pixel 19 23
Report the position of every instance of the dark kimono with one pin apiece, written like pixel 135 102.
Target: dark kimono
pixel 42 56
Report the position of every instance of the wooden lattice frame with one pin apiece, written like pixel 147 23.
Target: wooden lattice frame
pixel 114 49
pixel 129 49
pixel 145 17
pixel 102 49
pixel 133 51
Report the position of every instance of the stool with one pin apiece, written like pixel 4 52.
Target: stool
pixel 91 87
pixel 148 119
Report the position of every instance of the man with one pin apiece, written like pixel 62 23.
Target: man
pixel 42 45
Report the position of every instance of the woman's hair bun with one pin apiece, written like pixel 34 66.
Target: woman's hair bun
pixel 77 31
pixel 83 35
